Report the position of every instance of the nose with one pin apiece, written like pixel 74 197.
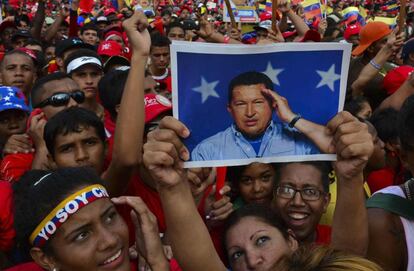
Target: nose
pixel 253 260
pixel 89 80
pixel 81 155
pixel 107 239
pixel 257 186
pixel 72 103
pixel 249 110
pixel 297 200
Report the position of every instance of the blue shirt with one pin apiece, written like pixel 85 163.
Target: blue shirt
pixel 278 140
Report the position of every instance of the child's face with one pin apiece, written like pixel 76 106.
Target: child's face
pixel 12 121
pixel 79 149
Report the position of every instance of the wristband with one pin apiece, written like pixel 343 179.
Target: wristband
pixel 375 65
pixel 294 120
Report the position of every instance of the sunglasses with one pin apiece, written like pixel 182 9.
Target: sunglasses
pixel 63 98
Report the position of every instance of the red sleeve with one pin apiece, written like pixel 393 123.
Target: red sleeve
pixel 380 179
pixel 323 235
pixel 26 267
pixel 73 23
pixel 14 166
pixel 7 232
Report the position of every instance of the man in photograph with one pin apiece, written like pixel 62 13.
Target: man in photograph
pixel 254 134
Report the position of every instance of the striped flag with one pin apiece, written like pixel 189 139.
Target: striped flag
pixel 312 9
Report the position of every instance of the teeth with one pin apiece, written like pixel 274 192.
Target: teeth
pixel 298 216
pixel 113 258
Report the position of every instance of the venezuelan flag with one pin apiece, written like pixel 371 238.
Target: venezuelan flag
pixel 392 22
pixel 268 6
pixel 352 14
pixel 311 9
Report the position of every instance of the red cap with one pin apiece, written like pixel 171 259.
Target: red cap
pixel 111 33
pixel 289 34
pixel 264 16
pixel 110 48
pixel 29 52
pixel 311 35
pixel 155 105
pixel 369 34
pixel 352 29
pixel 396 77
pixel 109 11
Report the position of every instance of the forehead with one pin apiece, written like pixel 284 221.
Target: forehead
pixel 248 92
pixel 18 59
pixel 81 134
pixel 256 168
pixel 160 50
pixel 300 175
pixel 89 31
pixel 244 229
pixel 87 68
pixel 55 86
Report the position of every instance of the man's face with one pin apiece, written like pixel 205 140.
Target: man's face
pixel 300 215
pixel 7 34
pixel 62 32
pixel 160 57
pixel 12 121
pixel 377 46
pixel 176 33
pixel 250 110
pixel 18 70
pixel 65 85
pixel 166 19
pixel 80 149
pixel 88 77
pixel 50 53
pixel 90 36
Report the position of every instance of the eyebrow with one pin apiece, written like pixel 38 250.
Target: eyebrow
pixel 254 234
pixel 88 224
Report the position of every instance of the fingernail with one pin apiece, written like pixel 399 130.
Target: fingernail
pixel 184 154
pixel 185 133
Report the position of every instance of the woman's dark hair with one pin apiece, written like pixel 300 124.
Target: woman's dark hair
pixel 110 87
pixel 71 120
pixel 406 124
pixel 354 105
pixel 260 212
pixel 385 122
pixel 38 192
pixel 322 166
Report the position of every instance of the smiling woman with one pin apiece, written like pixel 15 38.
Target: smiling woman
pixel 66 221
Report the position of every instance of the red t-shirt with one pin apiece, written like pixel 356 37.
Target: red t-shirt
pixel 323 235
pixel 14 166
pixel 7 232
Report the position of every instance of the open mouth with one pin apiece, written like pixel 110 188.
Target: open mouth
pixel 297 219
pixel 114 260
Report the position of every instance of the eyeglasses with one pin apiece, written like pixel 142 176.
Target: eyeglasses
pixel 63 98
pixel 308 194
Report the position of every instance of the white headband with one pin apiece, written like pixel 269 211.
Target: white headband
pixel 79 62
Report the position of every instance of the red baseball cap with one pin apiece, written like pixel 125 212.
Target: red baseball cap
pixel 352 29
pixel 396 77
pixel 155 105
pixel 311 35
pixel 110 48
pixel 369 34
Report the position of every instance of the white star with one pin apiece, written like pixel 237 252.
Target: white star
pixel 328 78
pixel 7 98
pixel 7 103
pixel 273 73
pixel 207 89
pixel 18 105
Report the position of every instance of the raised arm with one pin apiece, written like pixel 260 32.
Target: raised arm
pixel 354 145
pixel 393 44
pixel 164 154
pixel 53 29
pixel 38 20
pixel 130 122
pixel 300 25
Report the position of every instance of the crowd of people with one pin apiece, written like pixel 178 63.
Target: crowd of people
pixel 92 172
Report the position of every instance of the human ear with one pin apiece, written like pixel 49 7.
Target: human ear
pixel 327 200
pixel 292 242
pixel 45 261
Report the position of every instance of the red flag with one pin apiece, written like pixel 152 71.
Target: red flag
pixel 86 6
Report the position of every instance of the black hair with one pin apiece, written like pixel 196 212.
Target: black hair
pixel 260 212
pixel 406 124
pixel 71 120
pixel 166 12
pixel 385 122
pixel 37 88
pixel 38 192
pixel 158 40
pixel 89 26
pixel 110 87
pixel 323 167
pixel 234 175
pixel 32 41
pixel 247 79
pixel 354 105
pixel 81 53
pixel 175 24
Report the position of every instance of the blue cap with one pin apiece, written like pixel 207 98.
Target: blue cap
pixel 12 98
pixel 408 48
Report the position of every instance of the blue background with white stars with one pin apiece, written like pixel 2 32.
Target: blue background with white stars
pixel 298 83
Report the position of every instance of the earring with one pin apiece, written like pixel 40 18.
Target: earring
pixel 55 269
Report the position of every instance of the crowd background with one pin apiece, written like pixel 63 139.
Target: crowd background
pixel 87 83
